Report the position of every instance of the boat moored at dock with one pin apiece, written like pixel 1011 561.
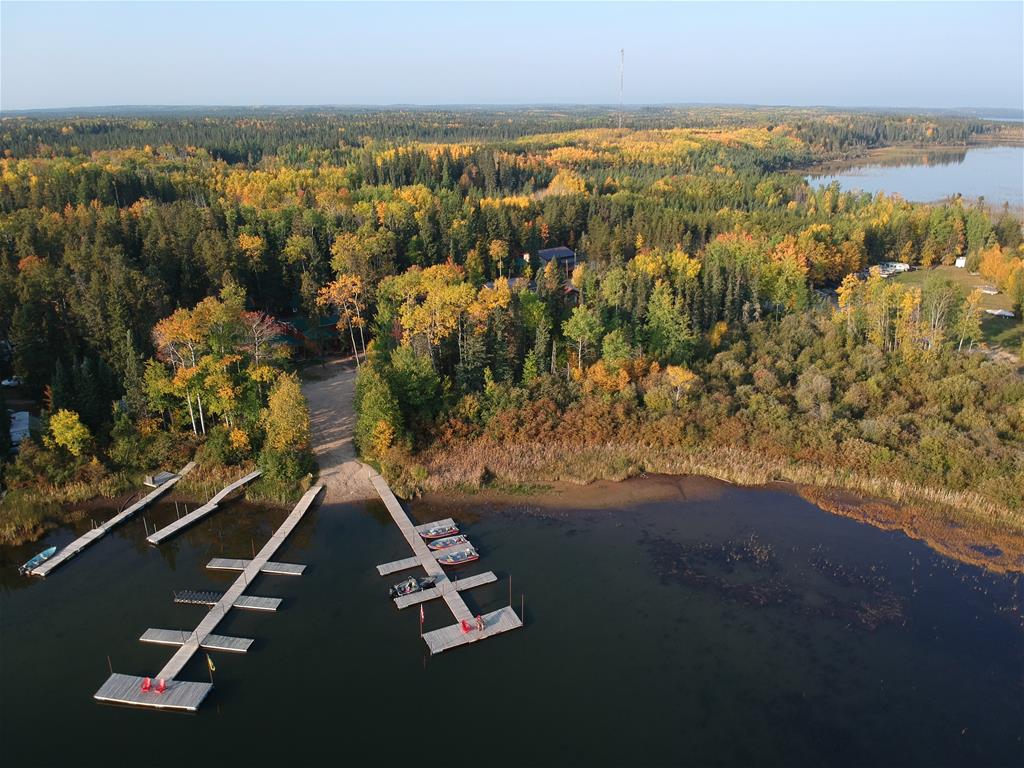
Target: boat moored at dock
pixel 411 585
pixel 459 556
pixel 440 531
pixel 38 560
pixel 451 541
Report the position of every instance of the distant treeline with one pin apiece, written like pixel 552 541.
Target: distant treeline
pixel 247 136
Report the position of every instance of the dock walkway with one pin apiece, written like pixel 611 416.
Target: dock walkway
pixel 126 689
pixel 100 531
pixel 201 512
pixel 451 636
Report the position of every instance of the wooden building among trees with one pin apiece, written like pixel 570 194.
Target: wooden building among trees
pixel 564 257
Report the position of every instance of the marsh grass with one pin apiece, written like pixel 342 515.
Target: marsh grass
pixel 27 513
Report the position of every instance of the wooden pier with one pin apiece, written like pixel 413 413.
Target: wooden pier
pixel 127 689
pixel 100 531
pixel 452 636
pixel 200 512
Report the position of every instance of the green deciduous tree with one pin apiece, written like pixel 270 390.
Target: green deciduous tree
pixel 68 431
pixel 584 328
pixel 286 418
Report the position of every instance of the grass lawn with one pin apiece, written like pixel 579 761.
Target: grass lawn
pixel 1004 332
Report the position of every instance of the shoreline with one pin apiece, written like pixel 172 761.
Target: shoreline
pixel 983 539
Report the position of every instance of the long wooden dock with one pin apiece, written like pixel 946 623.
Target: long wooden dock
pixel 100 531
pixel 451 636
pixel 127 689
pixel 200 512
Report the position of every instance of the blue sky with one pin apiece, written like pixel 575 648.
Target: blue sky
pixel 859 54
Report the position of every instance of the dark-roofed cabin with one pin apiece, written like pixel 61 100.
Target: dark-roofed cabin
pixel 564 257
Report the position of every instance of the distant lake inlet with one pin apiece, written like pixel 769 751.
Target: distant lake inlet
pixel 995 173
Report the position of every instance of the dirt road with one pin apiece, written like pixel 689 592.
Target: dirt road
pixel 330 390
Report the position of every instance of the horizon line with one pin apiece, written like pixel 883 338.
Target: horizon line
pixel 29 111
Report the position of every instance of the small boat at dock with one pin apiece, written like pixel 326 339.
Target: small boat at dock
pixel 409 586
pixel 38 560
pixel 459 556
pixel 451 541
pixel 440 531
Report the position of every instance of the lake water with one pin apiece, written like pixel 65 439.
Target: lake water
pixel 727 626
pixel 995 173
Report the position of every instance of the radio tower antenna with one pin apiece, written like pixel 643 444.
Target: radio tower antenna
pixel 622 68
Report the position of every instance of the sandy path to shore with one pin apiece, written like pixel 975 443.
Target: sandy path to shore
pixel 330 390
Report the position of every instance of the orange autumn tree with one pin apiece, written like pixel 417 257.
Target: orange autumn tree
pixel 346 296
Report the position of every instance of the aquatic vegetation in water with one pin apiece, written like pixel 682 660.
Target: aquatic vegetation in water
pixel 752 573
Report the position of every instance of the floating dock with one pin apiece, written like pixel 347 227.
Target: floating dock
pixel 180 694
pixel 127 689
pixel 275 569
pixel 246 602
pixel 412 562
pixel 496 622
pixel 100 531
pixel 477 580
pixel 451 636
pixel 197 514
pixel 179 637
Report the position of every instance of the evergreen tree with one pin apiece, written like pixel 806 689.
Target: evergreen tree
pixel 5 430
pixel 62 392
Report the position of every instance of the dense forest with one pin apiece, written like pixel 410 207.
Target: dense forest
pixel 154 266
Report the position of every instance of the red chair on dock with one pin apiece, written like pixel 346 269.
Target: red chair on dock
pixel 161 686
pixel 146 685
pixel 466 627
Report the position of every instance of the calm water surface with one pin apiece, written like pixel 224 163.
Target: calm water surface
pixel 995 173
pixel 728 627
